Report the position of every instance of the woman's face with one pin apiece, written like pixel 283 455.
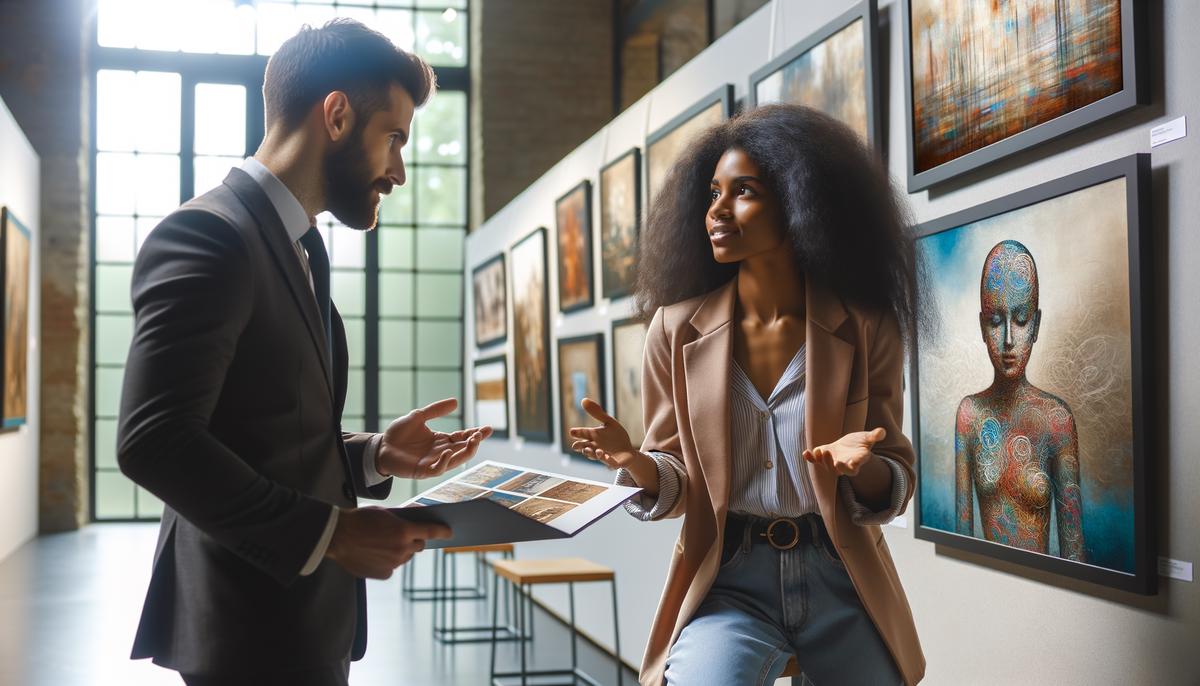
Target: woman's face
pixel 744 219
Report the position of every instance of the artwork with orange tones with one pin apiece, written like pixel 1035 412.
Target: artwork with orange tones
pixel 574 216
pixel 14 276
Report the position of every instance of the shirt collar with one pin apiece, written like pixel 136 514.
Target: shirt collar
pixel 290 211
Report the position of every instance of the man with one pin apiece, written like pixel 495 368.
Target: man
pixel 236 381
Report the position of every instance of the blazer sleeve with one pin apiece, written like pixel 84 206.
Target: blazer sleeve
pixel 658 407
pixel 362 449
pixel 885 405
pixel 192 298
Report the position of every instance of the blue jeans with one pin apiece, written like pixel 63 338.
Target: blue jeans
pixel 767 605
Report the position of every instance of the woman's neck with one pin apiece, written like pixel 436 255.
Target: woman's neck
pixel 770 286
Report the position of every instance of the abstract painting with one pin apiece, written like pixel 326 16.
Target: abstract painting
pixel 982 74
pixel 620 213
pixel 491 394
pixel 1026 397
pixel 14 347
pixel 580 375
pixel 574 216
pixel 491 315
pixel 666 144
pixel 531 341
pixel 628 341
pixel 831 71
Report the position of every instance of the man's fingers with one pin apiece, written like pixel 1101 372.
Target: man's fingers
pixel 423 531
pixel 441 408
pixel 597 412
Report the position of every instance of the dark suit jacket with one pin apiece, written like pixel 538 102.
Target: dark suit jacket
pixel 231 415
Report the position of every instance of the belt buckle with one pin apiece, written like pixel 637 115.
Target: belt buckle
pixel 795 534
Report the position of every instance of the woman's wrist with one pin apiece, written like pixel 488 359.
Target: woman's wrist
pixel 644 471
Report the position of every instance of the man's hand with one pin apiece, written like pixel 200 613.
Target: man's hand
pixel 848 454
pixel 370 542
pixel 412 450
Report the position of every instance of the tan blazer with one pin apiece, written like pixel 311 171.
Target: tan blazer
pixel 855 362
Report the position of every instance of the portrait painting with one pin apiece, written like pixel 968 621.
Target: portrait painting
pixel 531 341
pixel 665 145
pixel 14 275
pixel 491 394
pixel 620 210
pixel 573 212
pixel 1027 391
pixel 491 314
pixel 628 342
pixel 986 79
pixel 831 71
pixel 580 375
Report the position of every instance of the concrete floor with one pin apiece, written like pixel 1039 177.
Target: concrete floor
pixel 69 604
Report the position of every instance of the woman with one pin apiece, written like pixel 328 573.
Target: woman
pixel 781 280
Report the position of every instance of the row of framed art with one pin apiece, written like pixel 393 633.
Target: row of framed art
pixel 15 251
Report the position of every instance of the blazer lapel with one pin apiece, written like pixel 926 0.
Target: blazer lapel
pixel 829 359
pixel 275 236
pixel 706 365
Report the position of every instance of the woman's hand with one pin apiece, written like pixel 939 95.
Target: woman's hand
pixel 849 453
pixel 608 443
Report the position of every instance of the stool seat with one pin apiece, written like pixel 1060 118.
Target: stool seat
pixel 489 548
pixel 555 571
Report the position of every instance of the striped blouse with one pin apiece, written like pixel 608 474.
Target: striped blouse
pixel 769 474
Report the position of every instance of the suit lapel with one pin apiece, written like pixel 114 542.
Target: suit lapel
pixel 706 366
pixel 828 362
pixel 284 254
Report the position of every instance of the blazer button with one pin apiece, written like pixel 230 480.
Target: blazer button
pixel 347 490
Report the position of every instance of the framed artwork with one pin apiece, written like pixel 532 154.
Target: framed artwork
pixel 491 394
pixel 665 145
pixel 628 342
pixel 491 310
pixel 573 213
pixel 834 70
pixel 531 337
pixel 620 222
pixel 983 80
pixel 580 375
pixel 1030 400
pixel 14 346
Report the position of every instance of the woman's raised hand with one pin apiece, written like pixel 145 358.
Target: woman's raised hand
pixel 608 443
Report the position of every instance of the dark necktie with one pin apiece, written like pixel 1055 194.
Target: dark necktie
pixel 318 266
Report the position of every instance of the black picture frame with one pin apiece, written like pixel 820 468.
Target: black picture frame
pixel 565 401
pixel 585 263
pixel 611 286
pixel 1135 169
pixel 491 263
pixel 497 432
pixel 1134 91
pixel 866 11
pixel 534 406
pixel 722 95
pixel 11 226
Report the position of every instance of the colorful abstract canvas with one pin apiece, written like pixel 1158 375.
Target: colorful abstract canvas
pixel 531 340
pixel 573 212
pixel 580 375
pixel 620 210
pixel 14 275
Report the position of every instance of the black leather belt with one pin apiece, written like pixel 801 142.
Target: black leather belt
pixel 783 533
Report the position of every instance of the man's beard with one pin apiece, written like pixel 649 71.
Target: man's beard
pixel 349 185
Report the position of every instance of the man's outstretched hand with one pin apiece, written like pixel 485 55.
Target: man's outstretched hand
pixel 412 450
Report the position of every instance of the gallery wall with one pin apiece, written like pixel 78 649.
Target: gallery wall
pixel 20 171
pixel 981 620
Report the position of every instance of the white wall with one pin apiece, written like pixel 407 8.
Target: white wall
pixel 20 190
pixel 981 621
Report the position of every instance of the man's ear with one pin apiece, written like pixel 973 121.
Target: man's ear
pixel 337 116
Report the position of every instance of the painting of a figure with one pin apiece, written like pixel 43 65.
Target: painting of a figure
pixel 629 341
pixel 14 276
pixel 620 207
pixel 665 145
pixel 574 216
pixel 491 315
pixel 984 71
pixel 580 375
pixel 1025 398
pixel 531 337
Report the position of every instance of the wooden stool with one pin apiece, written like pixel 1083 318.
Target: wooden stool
pixel 446 605
pixel 525 574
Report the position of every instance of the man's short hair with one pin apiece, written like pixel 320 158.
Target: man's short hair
pixel 343 55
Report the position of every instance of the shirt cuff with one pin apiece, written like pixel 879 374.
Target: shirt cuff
pixel 861 514
pixel 647 507
pixel 318 553
pixel 371 476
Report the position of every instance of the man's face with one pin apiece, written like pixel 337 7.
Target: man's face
pixel 367 163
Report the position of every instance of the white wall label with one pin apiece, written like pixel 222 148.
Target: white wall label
pixel 1171 131
pixel 1175 569
pixel 900 522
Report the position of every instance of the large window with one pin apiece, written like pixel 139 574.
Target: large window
pixel 177 103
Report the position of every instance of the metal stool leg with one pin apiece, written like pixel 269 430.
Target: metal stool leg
pixel 523 598
pixel 495 610
pixel 617 635
pixel 574 633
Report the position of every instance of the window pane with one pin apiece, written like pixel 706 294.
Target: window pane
pixel 114 183
pixel 220 26
pixel 443 197
pixel 440 248
pixel 395 393
pixel 113 335
pixel 112 288
pixel 116 23
pixel 348 290
pixel 440 4
pixel 441 129
pixel 395 294
pixel 396 25
pixel 356 337
pixel 439 295
pixel 395 343
pixel 439 344
pixel 354 393
pixel 116 129
pixel 108 391
pixel 442 37
pixel 209 172
pixel 349 247
pixel 397 207
pixel 148 506
pixel 277 22
pixel 158 26
pixel 355 423
pixel 106 443
pixel 157 184
pixel 433 386
pixel 395 248
pixel 115 240
pixel 446 424
pixel 154 109
pixel 220 119
pixel 114 496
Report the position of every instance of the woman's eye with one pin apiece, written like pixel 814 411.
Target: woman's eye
pixel 713 195
pixel 744 190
